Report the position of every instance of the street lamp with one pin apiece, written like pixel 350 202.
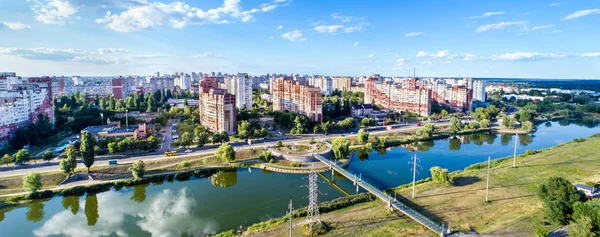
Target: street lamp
pixel 126 119
pixel 102 118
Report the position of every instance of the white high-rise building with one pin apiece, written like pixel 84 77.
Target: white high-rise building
pixel 478 87
pixel 241 86
pixel 184 81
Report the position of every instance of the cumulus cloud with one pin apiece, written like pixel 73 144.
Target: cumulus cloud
pixel 582 13
pixel 15 25
pixel 525 56
pixel 179 14
pixel 280 27
pixel 356 43
pixel 422 54
pixel 333 29
pixel 487 14
pixel 542 27
pixel 371 56
pixel 469 57
pixel 210 55
pixel 75 55
pixel 554 4
pixel 111 50
pixel 346 24
pixel 295 35
pixel 594 54
pixel 501 25
pixel 53 11
pixel 412 34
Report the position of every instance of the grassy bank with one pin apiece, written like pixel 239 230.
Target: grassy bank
pixel 513 210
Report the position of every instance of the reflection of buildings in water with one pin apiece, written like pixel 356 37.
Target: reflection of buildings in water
pixel 419 146
pixel 464 139
pixel 224 179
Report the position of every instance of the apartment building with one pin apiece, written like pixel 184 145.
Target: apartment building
pixel 21 101
pixel 341 83
pixel 293 96
pixel 322 82
pixel 457 96
pixel 240 85
pixel 408 98
pixel 217 107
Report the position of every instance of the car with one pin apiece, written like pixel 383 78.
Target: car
pixel 188 151
pixel 418 124
pixel 351 133
pixel 180 147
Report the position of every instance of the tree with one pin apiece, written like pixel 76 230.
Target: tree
pixel 65 166
pixel 185 165
pixel 186 139
pixel 72 158
pixel 506 121
pixel 299 123
pixel 426 132
pixel 87 149
pixel 226 153
pixel 316 128
pixel 455 125
pixel 202 138
pixel 441 176
pixel 558 196
pixel 525 115
pixel 325 126
pixel 6 159
pixel 21 156
pixel 444 113
pixel 32 182
pixel 527 126
pixel 112 147
pixel 368 122
pixel 484 123
pixel 474 125
pixel 153 142
pixel 137 169
pixel 244 129
pixel 279 143
pixel 341 148
pixel 582 228
pixel 362 136
pixel 47 156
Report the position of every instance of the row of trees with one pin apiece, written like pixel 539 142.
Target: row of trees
pixel 132 144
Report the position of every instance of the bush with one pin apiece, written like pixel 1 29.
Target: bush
pixel 531 152
pixel 32 182
pixel 279 143
pixel 296 164
pixel 185 165
pixel 558 196
pixel 579 140
pixel 137 169
pixel 541 231
pixel 441 176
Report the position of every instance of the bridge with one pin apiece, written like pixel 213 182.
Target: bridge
pixel 392 203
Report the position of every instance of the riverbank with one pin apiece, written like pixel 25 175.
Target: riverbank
pixel 513 210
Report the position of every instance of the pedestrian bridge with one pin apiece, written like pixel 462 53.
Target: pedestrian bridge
pixel 393 204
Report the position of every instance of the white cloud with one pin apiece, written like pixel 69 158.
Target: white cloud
pixel 442 54
pixel 524 56
pixel 345 19
pixel 411 34
pixel 554 4
pixel 210 55
pixel 53 11
pixel 583 13
pixel 356 43
pixel 294 35
pixel 111 50
pixel 542 27
pixel 469 57
pixel 426 63
pixel 487 14
pixel 15 25
pixel 371 56
pixel 422 54
pixel 42 53
pixel 526 13
pixel 401 60
pixel 595 54
pixel 501 25
pixel 280 27
pixel 556 31
pixel 333 29
pixel 178 15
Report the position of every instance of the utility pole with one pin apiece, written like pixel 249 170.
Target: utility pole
pixel 414 161
pixel 487 185
pixel 312 215
pixel 291 217
pixel 126 118
pixel 515 153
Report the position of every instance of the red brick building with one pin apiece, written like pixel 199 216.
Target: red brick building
pixel 296 97
pixel 217 107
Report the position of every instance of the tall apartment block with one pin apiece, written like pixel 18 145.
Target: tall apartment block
pixel 478 87
pixel 21 101
pixel 293 96
pixel 409 97
pixel 322 82
pixel 458 97
pixel 241 86
pixel 217 107
pixel 341 83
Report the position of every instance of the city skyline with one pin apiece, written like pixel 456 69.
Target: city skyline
pixel 536 39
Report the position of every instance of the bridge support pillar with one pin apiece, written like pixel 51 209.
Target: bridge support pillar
pixel 356 189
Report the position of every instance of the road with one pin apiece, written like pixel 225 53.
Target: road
pixel 208 149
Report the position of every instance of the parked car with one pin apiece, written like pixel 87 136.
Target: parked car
pixel 188 151
pixel 418 124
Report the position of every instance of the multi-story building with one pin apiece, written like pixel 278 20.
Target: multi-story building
pixel 458 96
pixel 478 87
pixel 292 96
pixel 217 107
pixel 159 83
pixel 341 83
pixel 409 98
pixel 241 86
pixel 321 82
pixel 21 101
pixel 184 81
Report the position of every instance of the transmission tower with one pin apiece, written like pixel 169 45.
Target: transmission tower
pixel 312 216
pixel 291 207
pixel 414 161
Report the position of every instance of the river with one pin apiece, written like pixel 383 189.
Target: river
pixel 228 200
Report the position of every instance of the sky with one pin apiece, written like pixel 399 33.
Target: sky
pixel 438 38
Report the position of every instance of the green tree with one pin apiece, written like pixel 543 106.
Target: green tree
pixel 47 156
pixel 299 123
pixel 186 139
pixel 368 122
pixel 444 113
pixel 474 125
pixel 21 156
pixel 87 149
pixel 113 147
pixel 6 159
pixel 65 166
pixel 362 136
pixel 137 169
pixel 325 126
pixel 426 132
pixel 72 158
pixel 525 115
pixel 244 130
pixel 279 143
pixel 32 182
pixel 226 153
pixel 316 128
pixel 558 195
pixel 202 138
pixel 441 176
pixel 153 142
pixel 484 123
pixel 340 147
pixel 527 126
pixel 584 227
pixel 455 125
pixel 506 121
pixel 185 165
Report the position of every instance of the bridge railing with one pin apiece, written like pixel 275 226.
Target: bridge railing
pixel 386 197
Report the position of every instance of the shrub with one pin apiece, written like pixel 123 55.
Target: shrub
pixel 441 176
pixel 185 165
pixel 137 169
pixel 531 152
pixel 32 182
pixel 296 164
pixel 579 140
pixel 541 231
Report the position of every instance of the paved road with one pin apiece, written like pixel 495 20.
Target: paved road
pixel 208 149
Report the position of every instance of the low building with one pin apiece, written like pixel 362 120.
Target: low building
pixel 589 191
pixel 361 111
pixel 379 116
pixel 181 102
pixel 114 129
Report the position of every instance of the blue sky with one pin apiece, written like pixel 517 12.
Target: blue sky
pixel 538 39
